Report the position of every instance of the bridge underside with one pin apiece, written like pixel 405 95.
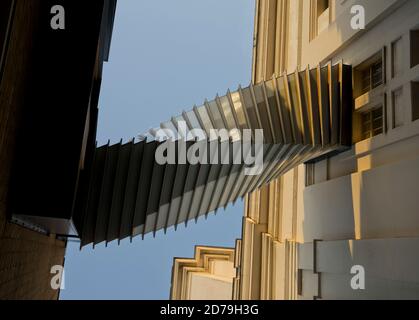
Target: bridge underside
pixel 304 116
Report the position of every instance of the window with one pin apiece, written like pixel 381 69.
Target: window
pixel 369 75
pixel 415 101
pixel 322 6
pixel 414 48
pixel 397 102
pixel 372 76
pixel 323 15
pixel 372 123
pixel 370 98
pixel 396 58
pixel 320 17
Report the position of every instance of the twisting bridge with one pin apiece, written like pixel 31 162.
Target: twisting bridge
pixel 304 115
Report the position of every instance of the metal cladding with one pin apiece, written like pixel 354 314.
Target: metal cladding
pixel 304 115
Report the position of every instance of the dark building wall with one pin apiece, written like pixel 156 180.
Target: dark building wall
pixel 26 256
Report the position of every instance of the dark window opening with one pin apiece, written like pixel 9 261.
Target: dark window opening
pixel 322 6
pixel 414 48
pixel 415 101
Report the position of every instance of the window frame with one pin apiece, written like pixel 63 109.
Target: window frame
pixel 414 47
pixel 400 90
pixel 368 65
pixel 314 17
pixel 371 130
pixel 399 41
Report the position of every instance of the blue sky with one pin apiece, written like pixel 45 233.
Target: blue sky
pixel 166 56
